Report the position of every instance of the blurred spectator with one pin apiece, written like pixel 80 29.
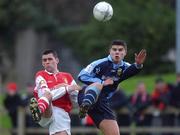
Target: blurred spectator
pixel 88 122
pixel 12 101
pixel 119 102
pixel 140 100
pixel 25 101
pixel 175 93
pixel 75 120
pixel 175 99
pixel 161 94
pixel 160 100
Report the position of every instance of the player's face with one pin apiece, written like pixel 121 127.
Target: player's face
pixel 49 62
pixel 117 53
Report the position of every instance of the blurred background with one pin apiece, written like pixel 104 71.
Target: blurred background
pixel 27 27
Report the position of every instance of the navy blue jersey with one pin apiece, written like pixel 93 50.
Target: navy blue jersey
pixel 104 68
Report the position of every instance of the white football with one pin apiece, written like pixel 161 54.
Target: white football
pixel 103 11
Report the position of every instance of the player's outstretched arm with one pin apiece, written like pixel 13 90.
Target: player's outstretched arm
pixel 140 57
pixel 73 87
pixel 60 90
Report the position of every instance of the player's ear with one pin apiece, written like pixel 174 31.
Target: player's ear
pixel 42 63
pixel 57 60
pixel 110 49
pixel 125 53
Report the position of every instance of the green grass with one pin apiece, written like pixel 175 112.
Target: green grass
pixel 1 99
pixel 129 85
pixel 4 118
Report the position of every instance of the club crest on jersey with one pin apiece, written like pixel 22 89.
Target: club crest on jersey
pixel 119 71
pixel 65 80
pixel 42 82
pixel 97 70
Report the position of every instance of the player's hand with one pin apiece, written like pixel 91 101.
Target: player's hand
pixel 140 57
pixel 108 81
pixel 73 87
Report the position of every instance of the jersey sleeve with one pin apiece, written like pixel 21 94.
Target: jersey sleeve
pixel 88 74
pixel 74 95
pixel 58 92
pixel 41 85
pixel 130 71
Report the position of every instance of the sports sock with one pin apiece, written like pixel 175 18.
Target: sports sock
pixel 43 104
pixel 91 95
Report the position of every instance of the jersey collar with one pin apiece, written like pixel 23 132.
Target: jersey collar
pixel 50 72
pixel 119 64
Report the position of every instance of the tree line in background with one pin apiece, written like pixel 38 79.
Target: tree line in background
pixel 143 24
pixel 27 27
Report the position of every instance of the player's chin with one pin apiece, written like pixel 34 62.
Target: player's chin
pixel 116 61
pixel 49 69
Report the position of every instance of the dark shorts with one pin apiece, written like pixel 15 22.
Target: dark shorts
pixel 100 110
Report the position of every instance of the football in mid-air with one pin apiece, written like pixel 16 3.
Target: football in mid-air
pixel 103 11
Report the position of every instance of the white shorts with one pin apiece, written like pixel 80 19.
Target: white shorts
pixel 59 121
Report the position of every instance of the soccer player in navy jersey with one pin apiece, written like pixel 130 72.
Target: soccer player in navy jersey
pixel 101 79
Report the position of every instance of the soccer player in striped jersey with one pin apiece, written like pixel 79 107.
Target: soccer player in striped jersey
pixel 101 79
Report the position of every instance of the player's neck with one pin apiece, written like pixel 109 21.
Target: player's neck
pixel 56 71
pixel 53 72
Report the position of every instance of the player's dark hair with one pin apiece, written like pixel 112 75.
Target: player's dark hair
pixel 48 51
pixel 119 42
pixel 159 80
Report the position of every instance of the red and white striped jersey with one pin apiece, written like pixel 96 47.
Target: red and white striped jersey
pixel 49 80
